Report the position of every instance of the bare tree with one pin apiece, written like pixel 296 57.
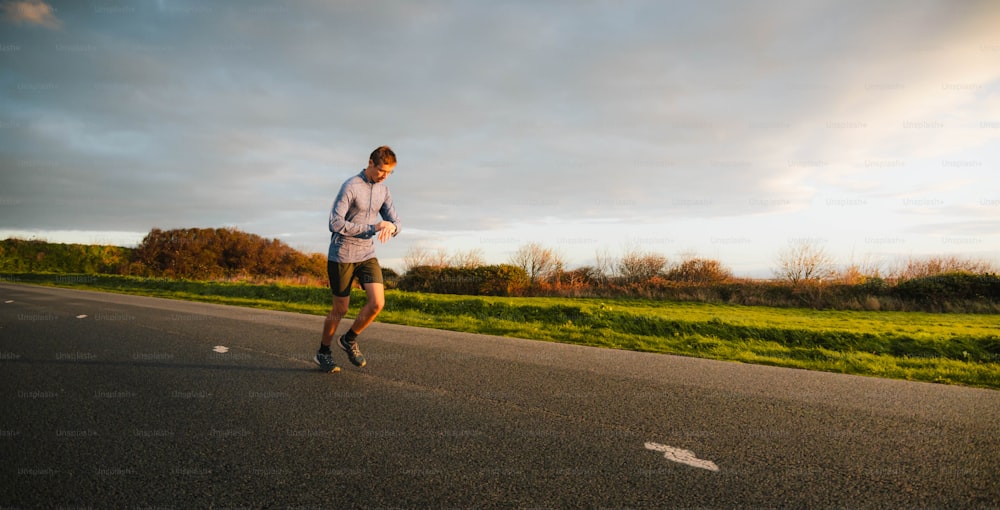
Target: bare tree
pixel 419 256
pixel 866 269
pixel 415 256
pixel 470 259
pixel 604 266
pixel 940 264
pixel 638 266
pixel 805 261
pixel 440 258
pixel 539 262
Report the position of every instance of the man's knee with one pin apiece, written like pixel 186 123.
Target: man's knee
pixel 376 305
pixel 375 294
pixel 339 309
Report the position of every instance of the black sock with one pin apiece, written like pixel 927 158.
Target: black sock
pixel 324 349
pixel 351 335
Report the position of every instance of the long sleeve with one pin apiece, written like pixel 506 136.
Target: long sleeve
pixel 388 212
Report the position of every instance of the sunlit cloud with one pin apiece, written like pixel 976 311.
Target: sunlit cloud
pixel 30 12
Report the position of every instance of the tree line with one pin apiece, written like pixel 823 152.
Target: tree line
pixel 191 253
pixel 804 276
pixel 34 256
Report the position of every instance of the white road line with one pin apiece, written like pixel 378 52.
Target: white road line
pixel 683 456
pixel 220 349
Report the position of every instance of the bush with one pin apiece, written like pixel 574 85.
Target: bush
pixel 699 271
pixel 502 280
pixel 637 267
pixel 915 268
pixel 419 279
pixel 206 253
pixel 17 255
pixel 945 288
pixel 390 277
pixel 496 280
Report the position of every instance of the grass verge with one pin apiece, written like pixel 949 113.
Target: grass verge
pixel 944 348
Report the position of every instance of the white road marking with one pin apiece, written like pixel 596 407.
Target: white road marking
pixel 81 316
pixel 220 349
pixel 9 301
pixel 683 456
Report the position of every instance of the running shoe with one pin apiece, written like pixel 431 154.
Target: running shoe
pixel 353 352
pixel 325 362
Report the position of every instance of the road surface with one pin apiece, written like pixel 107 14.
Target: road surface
pixel 123 401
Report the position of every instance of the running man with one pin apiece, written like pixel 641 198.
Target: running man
pixel 361 212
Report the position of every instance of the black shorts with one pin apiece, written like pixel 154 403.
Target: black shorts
pixel 342 274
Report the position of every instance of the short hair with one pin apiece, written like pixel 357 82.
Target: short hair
pixel 383 156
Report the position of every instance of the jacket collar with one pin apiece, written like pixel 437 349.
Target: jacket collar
pixel 364 177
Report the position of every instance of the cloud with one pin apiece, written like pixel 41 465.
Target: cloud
pixel 643 115
pixel 31 12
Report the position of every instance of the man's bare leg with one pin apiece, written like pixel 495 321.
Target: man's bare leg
pixel 367 314
pixel 337 312
pixel 323 357
pixel 374 305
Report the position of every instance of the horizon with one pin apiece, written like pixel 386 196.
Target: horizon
pixel 868 267
pixel 726 132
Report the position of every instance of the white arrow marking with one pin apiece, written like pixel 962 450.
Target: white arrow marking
pixel 683 456
pixel 220 349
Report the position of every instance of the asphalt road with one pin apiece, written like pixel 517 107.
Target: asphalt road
pixel 113 401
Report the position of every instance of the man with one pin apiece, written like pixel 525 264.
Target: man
pixel 361 212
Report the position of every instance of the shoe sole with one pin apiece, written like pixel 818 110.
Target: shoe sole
pixel 332 369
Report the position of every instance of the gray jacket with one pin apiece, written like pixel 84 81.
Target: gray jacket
pixel 355 212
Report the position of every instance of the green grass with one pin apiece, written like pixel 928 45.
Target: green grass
pixel 945 348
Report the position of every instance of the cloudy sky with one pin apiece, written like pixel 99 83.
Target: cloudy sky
pixel 722 128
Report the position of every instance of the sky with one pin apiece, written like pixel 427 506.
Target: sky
pixel 724 129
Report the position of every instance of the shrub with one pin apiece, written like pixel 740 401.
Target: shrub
pixel 496 280
pixel 697 270
pixel 206 253
pixel 950 287
pixel 941 264
pixel 636 266
pixel 501 280
pixel 419 279
pixel 17 255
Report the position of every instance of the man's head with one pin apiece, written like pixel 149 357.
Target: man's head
pixel 380 164
pixel 383 155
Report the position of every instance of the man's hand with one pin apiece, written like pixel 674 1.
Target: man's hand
pixel 385 230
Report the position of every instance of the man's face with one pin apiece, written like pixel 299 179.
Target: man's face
pixel 378 173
